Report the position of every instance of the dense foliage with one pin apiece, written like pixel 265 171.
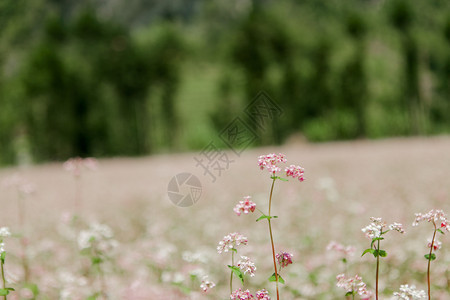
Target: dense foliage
pixel 95 78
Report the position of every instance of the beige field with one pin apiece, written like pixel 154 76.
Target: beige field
pixel 164 249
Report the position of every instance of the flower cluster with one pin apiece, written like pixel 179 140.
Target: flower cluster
pixel 437 216
pixel 231 241
pixel 346 251
pixel 4 232
pixel 75 165
pixel 295 172
pixel 262 295
pixel 353 284
pixel 239 294
pixel 409 293
pixel 245 206
pixel 21 184
pixel 284 259
pixel 246 265
pixel 397 227
pixel 436 245
pixel 206 284
pixel 99 236
pixel 375 228
pixel 270 162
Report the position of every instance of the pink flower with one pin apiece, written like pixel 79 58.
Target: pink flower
pixel 346 251
pixel 241 295
pixel 284 259
pixel 75 165
pixel 436 245
pixel 22 185
pixel 245 206
pixel 295 172
pixel 206 284
pixel 262 295
pixel 270 162
pixel 231 241
pixel 437 216
pixel 353 284
pixel 246 265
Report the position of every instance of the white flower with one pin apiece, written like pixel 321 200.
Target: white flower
pixel 409 293
pixel 4 232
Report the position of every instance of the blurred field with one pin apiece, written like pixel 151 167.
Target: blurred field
pixel 162 248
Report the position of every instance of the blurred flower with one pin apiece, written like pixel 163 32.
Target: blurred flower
pixel 4 232
pixel 246 265
pixel 262 295
pixel 437 216
pixel 353 284
pixel 74 165
pixel 270 161
pixel 241 295
pixel 346 251
pixel 245 206
pixel 99 236
pixel 409 293
pixel 295 172
pixel 21 184
pixel 206 284
pixel 284 259
pixel 231 241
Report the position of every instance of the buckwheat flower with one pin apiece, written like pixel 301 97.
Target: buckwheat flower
pixel 262 295
pixel 241 295
pixel 437 216
pixel 372 231
pixel 246 265
pixel 231 241
pixel 4 232
pixel 353 284
pixel 284 259
pixel 436 245
pixel 76 164
pixel 21 184
pixel 346 251
pixel 295 172
pixel 270 162
pixel 206 284
pixel 397 227
pixel 245 206
pixel 409 293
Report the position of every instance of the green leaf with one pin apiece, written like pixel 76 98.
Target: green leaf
pixel 382 253
pixel 264 217
pixel 439 230
pixel 237 272
pixel 10 289
pixel 282 179
pixel 273 278
pixel 96 260
pixel 433 256
pixel 4 292
pixel 370 250
pixel 2 257
pixel 234 249
pixel 350 293
pixel 376 239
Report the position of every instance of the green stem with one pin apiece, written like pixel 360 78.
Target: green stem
pixel 429 262
pixel 231 275
pixel 271 239
pixel 378 268
pixel 3 278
